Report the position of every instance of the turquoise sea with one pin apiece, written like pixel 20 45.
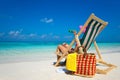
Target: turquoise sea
pixel 37 51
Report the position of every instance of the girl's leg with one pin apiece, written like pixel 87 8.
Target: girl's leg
pixel 61 49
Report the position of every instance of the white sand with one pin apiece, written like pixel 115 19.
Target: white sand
pixel 44 70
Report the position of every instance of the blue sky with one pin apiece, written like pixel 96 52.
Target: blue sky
pixel 50 20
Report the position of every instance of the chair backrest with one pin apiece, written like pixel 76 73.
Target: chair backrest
pixel 93 27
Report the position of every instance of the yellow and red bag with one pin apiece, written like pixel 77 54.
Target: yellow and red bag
pixel 86 65
pixel 83 64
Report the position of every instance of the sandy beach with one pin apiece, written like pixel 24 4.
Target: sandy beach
pixel 31 32
pixel 45 70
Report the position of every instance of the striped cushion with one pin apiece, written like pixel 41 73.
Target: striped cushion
pixel 92 30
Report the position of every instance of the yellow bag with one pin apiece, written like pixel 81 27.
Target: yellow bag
pixel 71 62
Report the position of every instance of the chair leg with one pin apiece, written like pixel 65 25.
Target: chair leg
pixel 98 51
pixel 105 71
pixel 58 61
pixel 100 60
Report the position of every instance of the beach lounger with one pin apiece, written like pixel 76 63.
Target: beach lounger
pixel 93 26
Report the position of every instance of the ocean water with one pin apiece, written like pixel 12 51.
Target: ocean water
pixel 37 51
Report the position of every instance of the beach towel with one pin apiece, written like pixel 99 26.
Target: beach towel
pixel 71 62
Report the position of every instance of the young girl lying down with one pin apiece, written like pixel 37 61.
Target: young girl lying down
pixel 64 48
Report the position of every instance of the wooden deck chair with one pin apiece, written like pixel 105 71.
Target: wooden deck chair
pixel 94 26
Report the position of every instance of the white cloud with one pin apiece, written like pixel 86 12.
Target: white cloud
pixel 15 33
pixel 18 35
pixel 32 35
pixel 43 36
pixel 46 20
